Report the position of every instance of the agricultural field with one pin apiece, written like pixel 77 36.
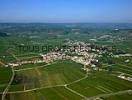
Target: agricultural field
pixel 4 78
pixel 56 93
pixel 119 97
pixel 65 79
pixel 99 83
pixel 46 76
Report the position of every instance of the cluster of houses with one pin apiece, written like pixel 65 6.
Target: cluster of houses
pixel 53 56
pixel 79 52
pixel 19 63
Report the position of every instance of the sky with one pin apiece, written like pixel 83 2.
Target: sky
pixel 66 11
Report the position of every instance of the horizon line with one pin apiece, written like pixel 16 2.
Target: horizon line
pixel 67 22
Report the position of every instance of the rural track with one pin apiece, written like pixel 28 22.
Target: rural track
pixel 78 80
pixel 110 94
pixel 12 92
pixel 8 86
pixel 28 57
pixel 17 70
pixel 64 85
pixel 11 80
pixel 123 73
pixel 31 68
pixel 74 92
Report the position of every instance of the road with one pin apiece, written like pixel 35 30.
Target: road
pixel 45 87
pixel 74 92
pixel 14 92
pixel 78 80
pixel 110 94
pixel 31 68
pixel 8 86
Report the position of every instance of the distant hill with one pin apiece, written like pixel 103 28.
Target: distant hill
pixel 2 34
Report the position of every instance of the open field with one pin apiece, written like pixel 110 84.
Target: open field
pixel 65 79
pixel 120 97
pixel 122 68
pixel 57 93
pixel 59 82
pixel 99 83
pixel 4 78
pixel 59 73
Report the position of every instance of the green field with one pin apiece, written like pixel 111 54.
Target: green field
pixel 120 97
pixel 65 79
pixel 4 78
pixel 49 81
pixel 62 72
pixel 57 93
pixel 99 83
pixel 95 84
pixel 122 68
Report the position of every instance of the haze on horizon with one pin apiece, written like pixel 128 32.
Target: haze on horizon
pixel 66 11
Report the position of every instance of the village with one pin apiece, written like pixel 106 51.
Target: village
pixel 78 52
